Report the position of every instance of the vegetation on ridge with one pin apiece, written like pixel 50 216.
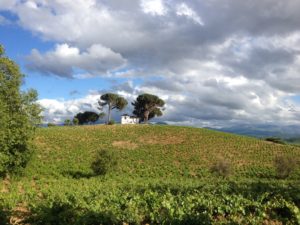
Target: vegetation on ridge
pixel 162 176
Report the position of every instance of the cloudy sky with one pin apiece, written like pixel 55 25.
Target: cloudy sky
pixel 215 62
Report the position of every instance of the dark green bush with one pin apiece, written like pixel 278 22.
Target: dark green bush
pixel 221 167
pixel 67 122
pixel 275 140
pixel 75 121
pixel 104 162
pixel 56 213
pixel 111 122
pixel 4 216
pixel 284 166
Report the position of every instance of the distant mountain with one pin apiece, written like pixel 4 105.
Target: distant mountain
pixel 265 130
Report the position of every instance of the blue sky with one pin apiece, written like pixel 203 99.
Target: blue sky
pixel 184 51
pixel 19 42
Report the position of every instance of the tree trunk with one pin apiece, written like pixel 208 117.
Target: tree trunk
pixel 146 116
pixel 109 112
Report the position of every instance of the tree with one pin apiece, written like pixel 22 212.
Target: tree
pixel 19 115
pixel 67 122
pixel 75 121
pixel 32 109
pixel 102 115
pixel 86 117
pixel 147 106
pixel 113 101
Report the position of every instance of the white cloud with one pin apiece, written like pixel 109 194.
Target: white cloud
pixel 64 60
pixel 154 7
pixel 184 10
pixel 240 65
pixel 7 4
pixel 57 110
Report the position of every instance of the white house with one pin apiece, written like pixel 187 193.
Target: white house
pixel 126 119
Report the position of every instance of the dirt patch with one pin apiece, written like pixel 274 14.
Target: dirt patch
pixel 125 144
pixel 162 140
pixel 18 215
pixel 6 185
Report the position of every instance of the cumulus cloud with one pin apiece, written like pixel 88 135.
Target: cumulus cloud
pixel 64 60
pixel 214 62
pixel 7 4
pixel 57 110
pixel 153 7
pixel 183 10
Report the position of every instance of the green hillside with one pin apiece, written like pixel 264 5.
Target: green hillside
pixel 162 176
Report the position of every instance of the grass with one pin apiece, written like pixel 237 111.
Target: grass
pixel 166 164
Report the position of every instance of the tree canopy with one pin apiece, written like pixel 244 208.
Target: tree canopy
pixel 86 117
pixel 19 115
pixel 113 101
pixel 147 106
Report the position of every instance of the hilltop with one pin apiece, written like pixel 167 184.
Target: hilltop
pixel 148 150
pixel 159 168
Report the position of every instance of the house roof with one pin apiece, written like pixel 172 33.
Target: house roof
pixel 130 116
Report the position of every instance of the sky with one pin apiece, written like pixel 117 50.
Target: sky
pixel 216 63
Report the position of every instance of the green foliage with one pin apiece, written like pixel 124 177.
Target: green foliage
pixel 2 51
pixel 104 162
pixel 86 117
pixel 102 115
pixel 276 140
pixel 205 204
pixel 19 115
pixel 222 167
pixel 164 179
pixel 4 213
pixel 147 106
pixel 284 166
pixel 75 121
pixel 111 122
pixel 67 122
pixel 51 125
pixel 113 101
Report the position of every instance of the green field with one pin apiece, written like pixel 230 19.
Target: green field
pixel 162 177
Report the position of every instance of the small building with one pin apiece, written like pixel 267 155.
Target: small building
pixel 127 119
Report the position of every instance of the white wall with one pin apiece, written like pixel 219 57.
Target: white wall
pixel 128 120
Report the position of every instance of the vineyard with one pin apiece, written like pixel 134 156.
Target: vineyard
pixel 162 176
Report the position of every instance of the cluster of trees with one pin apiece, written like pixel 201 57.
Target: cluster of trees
pixel 146 107
pixel 19 114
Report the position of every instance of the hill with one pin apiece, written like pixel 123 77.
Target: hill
pixel 162 176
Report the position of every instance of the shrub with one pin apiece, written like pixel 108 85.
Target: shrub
pixel 51 125
pixel 75 121
pixel 284 166
pixel 4 216
pixel 221 167
pixel 111 122
pixel 275 140
pixel 67 122
pixel 104 162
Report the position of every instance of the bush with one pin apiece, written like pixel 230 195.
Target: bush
pixel 51 125
pixel 104 162
pixel 275 140
pixel 221 167
pixel 75 121
pixel 284 166
pixel 67 122
pixel 111 122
